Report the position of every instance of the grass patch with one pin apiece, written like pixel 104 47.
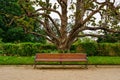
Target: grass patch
pixel 104 60
pixel 101 60
pixel 14 60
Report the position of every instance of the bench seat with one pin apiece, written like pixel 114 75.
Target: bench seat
pixel 66 60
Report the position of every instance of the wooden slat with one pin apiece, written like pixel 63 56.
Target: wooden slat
pixel 61 56
pixel 63 60
pixel 73 56
pixel 47 56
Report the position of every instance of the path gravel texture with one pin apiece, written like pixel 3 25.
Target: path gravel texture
pixel 28 73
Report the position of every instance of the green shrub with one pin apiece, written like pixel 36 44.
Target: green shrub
pixel 109 49
pixel 1 52
pixel 103 49
pixel 1 49
pixel 27 49
pixel 98 49
pixel 90 48
pixel 9 49
pixel 30 49
pixel 116 49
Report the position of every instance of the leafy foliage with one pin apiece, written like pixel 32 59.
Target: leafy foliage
pixel 110 38
pixel 10 30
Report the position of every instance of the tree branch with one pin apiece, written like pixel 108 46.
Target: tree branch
pixel 103 28
pixel 48 30
pixel 40 21
pixel 48 9
pixel 80 26
pixel 50 18
pixel 93 35
pixel 62 2
pixel 59 1
pixel 38 34
pixel 99 2
pixel 92 13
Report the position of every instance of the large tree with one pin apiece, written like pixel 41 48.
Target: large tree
pixel 84 15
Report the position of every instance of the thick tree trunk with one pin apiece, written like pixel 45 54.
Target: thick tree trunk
pixel 62 44
pixel 63 47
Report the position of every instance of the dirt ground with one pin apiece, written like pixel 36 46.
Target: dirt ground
pixel 28 73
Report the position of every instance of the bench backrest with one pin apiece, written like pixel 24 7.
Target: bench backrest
pixel 73 56
pixel 48 56
pixel 61 56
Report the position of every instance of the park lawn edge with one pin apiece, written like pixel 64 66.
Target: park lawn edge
pixel 92 60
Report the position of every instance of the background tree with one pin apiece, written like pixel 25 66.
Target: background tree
pixel 110 19
pixel 80 12
pixel 10 30
pixel 109 38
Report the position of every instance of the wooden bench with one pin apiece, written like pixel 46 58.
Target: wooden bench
pixel 66 57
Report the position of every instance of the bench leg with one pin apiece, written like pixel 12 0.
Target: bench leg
pixel 35 65
pixel 86 65
pixel 60 62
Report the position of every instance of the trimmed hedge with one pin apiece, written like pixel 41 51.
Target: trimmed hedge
pixel 25 49
pixel 30 49
pixel 89 48
pixel 99 49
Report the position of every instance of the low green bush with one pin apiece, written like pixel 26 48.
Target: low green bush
pixel 1 52
pixel 109 49
pixel 116 49
pixel 30 49
pixel 1 49
pixel 90 48
pixel 26 49
pixel 99 49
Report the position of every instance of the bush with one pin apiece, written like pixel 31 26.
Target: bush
pixel 116 49
pixel 109 49
pixel 1 52
pixel 30 49
pixel 103 49
pixel 26 49
pixel 89 48
pixel 98 49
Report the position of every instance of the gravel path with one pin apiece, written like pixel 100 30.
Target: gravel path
pixel 28 73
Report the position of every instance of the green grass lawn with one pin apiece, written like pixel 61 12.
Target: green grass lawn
pixel 101 60
pixel 104 60
pixel 14 60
